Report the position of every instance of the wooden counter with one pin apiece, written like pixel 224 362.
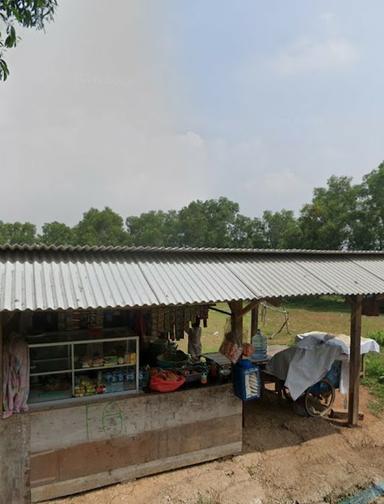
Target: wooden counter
pixel 89 445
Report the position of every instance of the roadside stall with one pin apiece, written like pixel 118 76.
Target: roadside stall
pixel 98 376
pixel 94 390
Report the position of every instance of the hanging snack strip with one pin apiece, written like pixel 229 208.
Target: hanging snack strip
pixel 174 321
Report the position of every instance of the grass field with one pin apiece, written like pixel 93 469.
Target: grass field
pixel 330 314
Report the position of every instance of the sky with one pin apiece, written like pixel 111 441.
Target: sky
pixel 148 104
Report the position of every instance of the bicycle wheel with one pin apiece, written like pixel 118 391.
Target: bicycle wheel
pixel 318 400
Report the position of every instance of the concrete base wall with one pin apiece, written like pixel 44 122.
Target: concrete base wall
pixel 91 445
pixel 14 460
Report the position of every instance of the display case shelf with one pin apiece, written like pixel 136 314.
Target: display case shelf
pixel 74 336
pixel 47 357
pixel 47 373
pixel 91 368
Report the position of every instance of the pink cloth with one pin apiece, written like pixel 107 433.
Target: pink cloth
pixel 15 375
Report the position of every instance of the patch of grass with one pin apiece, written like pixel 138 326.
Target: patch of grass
pixel 207 499
pixel 378 336
pixel 320 303
pixel 375 365
pixel 301 319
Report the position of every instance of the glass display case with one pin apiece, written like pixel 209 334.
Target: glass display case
pixel 79 368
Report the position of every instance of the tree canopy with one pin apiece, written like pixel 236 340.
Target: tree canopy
pixel 25 13
pixel 341 215
pixel 327 222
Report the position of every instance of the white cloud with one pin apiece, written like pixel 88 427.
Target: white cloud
pixel 307 56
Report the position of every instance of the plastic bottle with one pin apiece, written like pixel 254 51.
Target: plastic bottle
pixel 259 343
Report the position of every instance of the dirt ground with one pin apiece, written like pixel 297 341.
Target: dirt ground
pixel 286 459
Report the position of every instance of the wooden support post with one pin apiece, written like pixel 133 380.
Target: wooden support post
pixel 249 307
pixel 254 320
pixel 354 361
pixel 237 318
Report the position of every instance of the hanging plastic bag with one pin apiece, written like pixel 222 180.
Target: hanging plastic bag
pixel 231 345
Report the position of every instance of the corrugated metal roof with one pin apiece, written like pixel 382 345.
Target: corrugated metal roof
pixel 115 249
pixel 270 276
pixel 344 274
pixel 53 278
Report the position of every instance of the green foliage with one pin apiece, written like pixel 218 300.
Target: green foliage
pixel 101 227
pixel 368 225
pixel 17 233
pixel 26 13
pixel 374 377
pixel 374 374
pixel 57 233
pixel 282 230
pixel 340 216
pixel 326 222
pixel 320 303
pixel 157 229
pixel 247 233
pixel 379 337
pixel 208 223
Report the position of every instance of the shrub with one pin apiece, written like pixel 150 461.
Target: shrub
pixel 378 336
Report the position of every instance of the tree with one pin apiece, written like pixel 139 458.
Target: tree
pixel 208 223
pixel 154 228
pixel 368 224
pixel 101 227
pixel 56 233
pixel 281 230
pixel 26 13
pixel 17 233
pixel 247 233
pixel 327 222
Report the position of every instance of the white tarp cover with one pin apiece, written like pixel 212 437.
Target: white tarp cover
pixel 312 357
pixel 344 342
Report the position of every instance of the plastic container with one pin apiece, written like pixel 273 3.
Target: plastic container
pixel 247 380
pixel 259 343
pixel 160 382
pixel 172 360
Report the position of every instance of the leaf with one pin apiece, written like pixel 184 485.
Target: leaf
pixel 4 72
pixel 11 39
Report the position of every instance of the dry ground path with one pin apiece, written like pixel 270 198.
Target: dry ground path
pixel 286 460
